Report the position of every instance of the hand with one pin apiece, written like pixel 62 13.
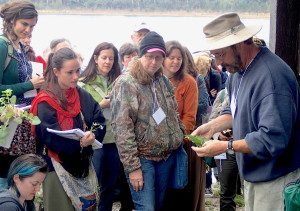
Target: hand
pixel 136 179
pixel 211 148
pixel 37 81
pixel 104 103
pixel 87 139
pixel 222 137
pixel 204 130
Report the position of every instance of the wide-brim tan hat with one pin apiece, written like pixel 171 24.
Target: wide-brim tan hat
pixel 227 30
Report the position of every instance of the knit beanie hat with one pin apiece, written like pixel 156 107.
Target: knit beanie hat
pixel 152 42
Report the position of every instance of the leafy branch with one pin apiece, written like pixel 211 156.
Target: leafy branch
pixel 197 140
pixel 9 112
pixel 96 126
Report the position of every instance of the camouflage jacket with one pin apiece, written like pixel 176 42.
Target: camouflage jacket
pixel 221 101
pixel 135 130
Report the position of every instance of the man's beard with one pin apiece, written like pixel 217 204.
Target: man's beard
pixel 236 65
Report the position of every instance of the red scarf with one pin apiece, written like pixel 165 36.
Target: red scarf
pixel 64 117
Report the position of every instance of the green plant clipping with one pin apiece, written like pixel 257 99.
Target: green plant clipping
pixel 8 112
pixel 197 140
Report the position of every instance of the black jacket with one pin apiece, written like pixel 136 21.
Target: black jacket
pixel 74 159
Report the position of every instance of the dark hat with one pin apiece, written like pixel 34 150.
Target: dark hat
pixel 152 42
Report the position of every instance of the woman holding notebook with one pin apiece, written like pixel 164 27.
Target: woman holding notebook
pixel 61 105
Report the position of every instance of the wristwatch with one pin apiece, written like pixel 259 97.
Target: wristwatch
pixel 230 149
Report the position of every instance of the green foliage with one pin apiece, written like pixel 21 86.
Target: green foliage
pixel 239 200
pixel 197 140
pixel 8 112
pixel 96 126
pixel 160 5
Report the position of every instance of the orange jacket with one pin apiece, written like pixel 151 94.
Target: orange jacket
pixel 186 93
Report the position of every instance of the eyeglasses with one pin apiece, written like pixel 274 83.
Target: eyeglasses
pixel 219 56
pixel 152 57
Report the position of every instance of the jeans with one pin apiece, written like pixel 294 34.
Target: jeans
pixel 208 179
pixel 155 176
pixel 107 165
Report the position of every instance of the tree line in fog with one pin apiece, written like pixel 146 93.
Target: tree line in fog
pixel 157 5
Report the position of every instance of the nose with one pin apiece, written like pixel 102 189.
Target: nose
pixel 37 188
pixel 177 61
pixel 28 30
pixel 76 75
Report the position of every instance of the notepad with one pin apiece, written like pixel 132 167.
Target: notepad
pixel 74 134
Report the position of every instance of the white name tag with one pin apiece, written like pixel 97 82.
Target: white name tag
pixel 30 94
pixel 233 105
pixel 159 115
pixel 221 156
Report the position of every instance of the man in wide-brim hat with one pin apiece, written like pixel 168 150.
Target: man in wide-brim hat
pixel 264 113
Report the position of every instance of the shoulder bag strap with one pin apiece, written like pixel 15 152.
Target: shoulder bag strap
pixel 9 50
pixel 99 91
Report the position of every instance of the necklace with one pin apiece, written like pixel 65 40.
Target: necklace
pixel 238 89
pixel 15 44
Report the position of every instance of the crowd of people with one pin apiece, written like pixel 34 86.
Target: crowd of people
pixel 140 101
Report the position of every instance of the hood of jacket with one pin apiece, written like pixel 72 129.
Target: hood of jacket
pixel 7 196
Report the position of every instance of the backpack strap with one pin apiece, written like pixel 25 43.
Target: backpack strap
pixel 10 50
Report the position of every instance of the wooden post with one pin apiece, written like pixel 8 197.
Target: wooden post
pixel 285 31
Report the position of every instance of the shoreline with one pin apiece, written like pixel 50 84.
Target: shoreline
pixel 148 14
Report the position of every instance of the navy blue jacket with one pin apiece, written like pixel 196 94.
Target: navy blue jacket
pixel 267 117
pixel 74 159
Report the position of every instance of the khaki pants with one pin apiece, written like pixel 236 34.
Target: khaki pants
pixel 55 197
pixel 268 196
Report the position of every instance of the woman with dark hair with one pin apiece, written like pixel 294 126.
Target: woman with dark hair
pixel 185 86
pixel 59 43
pixel 97 79
pixel 197 165
pixel 127 52
pixel 203 97
pixel 186 94
pixel 25 177
pixel 19 19
pixel 30 53
pixel 61 105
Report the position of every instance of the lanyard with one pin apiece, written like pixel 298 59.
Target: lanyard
pixel 154 96
pixel 238 89
pixel 23 62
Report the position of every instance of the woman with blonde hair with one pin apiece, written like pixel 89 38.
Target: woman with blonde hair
pixel 212 77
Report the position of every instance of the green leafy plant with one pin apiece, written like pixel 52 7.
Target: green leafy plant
pixel 96 126
pixel 8 112
pixel 197 140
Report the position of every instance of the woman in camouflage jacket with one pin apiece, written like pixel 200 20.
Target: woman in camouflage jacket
pixel 146 125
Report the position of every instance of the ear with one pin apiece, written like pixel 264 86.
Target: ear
pixel 16 178
pixel 56 72
pixel 95 58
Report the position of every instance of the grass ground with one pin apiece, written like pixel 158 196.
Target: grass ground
pixel 213 203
